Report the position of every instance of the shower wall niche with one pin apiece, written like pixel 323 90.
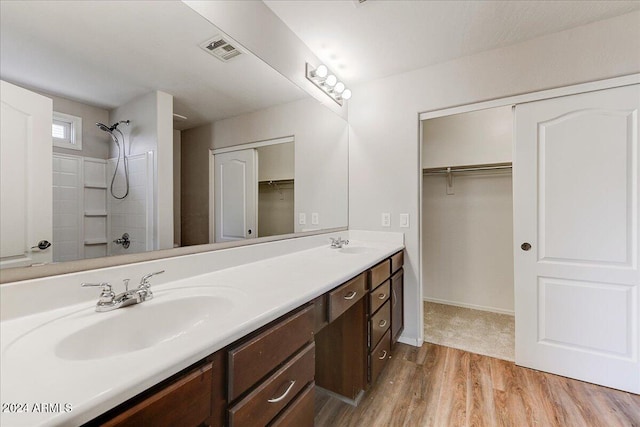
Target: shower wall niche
pixel 95 208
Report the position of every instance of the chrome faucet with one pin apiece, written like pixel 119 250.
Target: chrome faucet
pixel 110 301
pixel 338 243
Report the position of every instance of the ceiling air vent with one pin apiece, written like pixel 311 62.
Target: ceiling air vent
pixel 221 48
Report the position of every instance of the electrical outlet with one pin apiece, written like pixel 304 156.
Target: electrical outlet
pixel 314 218
pixel 404 220
pixel 386 219
pixel 302 218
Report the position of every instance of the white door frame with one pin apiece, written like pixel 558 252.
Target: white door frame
pixel 483 105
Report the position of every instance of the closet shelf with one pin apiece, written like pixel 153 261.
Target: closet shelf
pixel 467 168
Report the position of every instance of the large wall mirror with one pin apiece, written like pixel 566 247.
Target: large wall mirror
pixel 163 132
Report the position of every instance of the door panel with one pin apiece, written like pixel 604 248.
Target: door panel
pixel 574 229
pixel 576 202
pixel 236 195
pixel 26 176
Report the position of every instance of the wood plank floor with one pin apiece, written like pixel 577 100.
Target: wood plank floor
pixel 445 387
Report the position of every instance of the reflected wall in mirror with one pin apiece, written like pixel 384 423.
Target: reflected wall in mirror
pixel 151 64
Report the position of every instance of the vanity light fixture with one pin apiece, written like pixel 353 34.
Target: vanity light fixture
pixel 327 82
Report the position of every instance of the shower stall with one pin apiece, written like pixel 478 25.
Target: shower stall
pixel 103 206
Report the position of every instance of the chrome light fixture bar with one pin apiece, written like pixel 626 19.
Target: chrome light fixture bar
pixel 327 82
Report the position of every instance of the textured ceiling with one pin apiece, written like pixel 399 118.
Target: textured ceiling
pixel 380 38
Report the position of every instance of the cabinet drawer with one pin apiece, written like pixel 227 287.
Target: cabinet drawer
pixel 300 413
pixel 343 297
pixel 397 261
pixel 380 323
pixel 187 402
pixel 263 404
pixel 379 296
pixel 379 356
pixel 253 360
pixel 379 273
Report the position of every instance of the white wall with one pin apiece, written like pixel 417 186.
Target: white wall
pixel 474 138
pixel 384 158
pixel 467 248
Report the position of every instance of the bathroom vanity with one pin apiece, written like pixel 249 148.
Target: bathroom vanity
pixel 340 341
pixel 244 345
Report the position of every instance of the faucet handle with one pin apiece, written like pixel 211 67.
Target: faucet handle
pixel 145 279
pixel 107 295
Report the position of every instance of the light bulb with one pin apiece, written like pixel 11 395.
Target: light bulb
pixel 346 94
pixel 339 87
pixel 331 80
pixel 322 71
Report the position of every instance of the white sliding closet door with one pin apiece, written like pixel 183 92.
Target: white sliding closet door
pixel 576 203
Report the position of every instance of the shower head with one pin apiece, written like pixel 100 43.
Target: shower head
pixel 103 127
pixel 109 130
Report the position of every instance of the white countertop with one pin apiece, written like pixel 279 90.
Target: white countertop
pixel 34 373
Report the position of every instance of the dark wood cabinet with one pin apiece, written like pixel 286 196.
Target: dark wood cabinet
pixel 379 356
pixel 192 397
pixel 340 341
pixel 397 305
pixel 252 360
pixel 272 395
pixel 300 413
pixel 269 369
pixel 341 349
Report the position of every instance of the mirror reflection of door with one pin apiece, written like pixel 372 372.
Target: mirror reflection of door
pixel 236 195
pixel 26 153
pixel 254 190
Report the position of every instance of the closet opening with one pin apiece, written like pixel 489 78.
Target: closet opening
pixel 467 231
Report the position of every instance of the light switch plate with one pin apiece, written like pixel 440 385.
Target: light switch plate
pixel 302 218
pixel 404 220
pixel 386 219
pixel 314 218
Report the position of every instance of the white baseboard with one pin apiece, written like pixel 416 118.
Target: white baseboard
pixel 473 306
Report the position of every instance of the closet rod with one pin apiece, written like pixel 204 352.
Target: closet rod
pixel 470 168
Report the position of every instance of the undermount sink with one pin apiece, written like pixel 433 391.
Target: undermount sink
pixel 354 250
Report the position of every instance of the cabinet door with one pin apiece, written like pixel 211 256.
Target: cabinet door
pixel 341 353
pixel 397 305
pixel 186 402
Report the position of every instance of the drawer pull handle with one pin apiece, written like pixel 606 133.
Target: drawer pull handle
pixel 278 399
pixel 382 296
pixel 382 323
pixel 384 354
pixel 350 295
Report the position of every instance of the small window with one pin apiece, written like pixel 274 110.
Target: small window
pixel 66 131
